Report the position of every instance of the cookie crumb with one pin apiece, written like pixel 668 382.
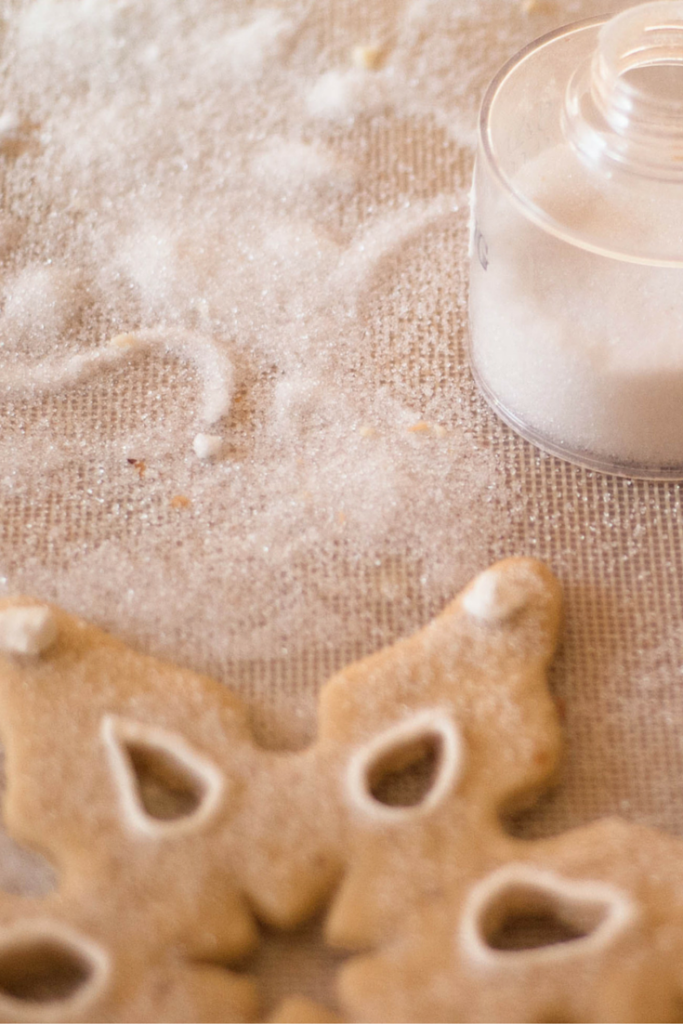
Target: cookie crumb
pixel 27 630
pixel 493 598
pixel 180 501
pixel 124 341
pixel 207 446
pixel 419 428
pixel 366 431
pixel 368 57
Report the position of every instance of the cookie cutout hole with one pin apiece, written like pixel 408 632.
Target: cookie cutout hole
pixel 407 769
pixel 403 777
pixel 533 929
pixel 47 969
pixel 518 911
pixel 166 789
pixel 166 786
pixel 43 971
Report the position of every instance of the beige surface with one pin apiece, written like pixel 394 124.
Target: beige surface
pixel 614 544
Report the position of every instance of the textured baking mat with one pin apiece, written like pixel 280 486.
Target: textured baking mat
pixel 250 175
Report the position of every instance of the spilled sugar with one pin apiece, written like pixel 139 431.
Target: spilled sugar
pixel 209 357
pixel 190 170
pixel 215 216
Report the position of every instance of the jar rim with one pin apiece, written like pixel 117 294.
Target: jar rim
pixel 488 150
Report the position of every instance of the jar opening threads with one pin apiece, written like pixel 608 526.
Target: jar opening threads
pixel 624 106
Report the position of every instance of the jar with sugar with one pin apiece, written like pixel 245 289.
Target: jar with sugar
pixel 576 284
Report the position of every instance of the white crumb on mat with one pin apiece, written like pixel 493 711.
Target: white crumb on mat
pixel 207 446
pixel 29 629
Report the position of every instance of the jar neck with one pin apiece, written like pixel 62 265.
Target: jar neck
pixel 624 108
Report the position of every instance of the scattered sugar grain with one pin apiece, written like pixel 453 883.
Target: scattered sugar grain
pixel 258 41
pixel 338 95
pixel 290 166
pixel 217 231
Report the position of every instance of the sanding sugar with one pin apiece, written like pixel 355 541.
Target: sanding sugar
pixel 217 222
pixel 168 181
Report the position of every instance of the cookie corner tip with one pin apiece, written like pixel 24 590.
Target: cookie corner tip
pixel 496 596
pixel 28 628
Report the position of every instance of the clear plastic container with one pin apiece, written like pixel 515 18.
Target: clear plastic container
pixel 576 285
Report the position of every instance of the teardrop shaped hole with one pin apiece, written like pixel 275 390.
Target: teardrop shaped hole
pixel 533 931
pixel 524 917
pixel 167 788
pixel 404 775
pixel 43 970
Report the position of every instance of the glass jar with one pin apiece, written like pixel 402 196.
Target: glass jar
pixel 576 283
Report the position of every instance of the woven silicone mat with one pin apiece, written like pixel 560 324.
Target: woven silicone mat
pixel 292 180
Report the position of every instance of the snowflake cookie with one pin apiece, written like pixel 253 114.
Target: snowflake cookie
pixel 585 926
pixel 170 829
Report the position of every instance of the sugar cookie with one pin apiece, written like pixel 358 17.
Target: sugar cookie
pixel 469 691
pixel 584 926
pixel 141 783
pixel 170 828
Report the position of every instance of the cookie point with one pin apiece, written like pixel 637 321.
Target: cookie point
pixel 27 629
pixel 494 597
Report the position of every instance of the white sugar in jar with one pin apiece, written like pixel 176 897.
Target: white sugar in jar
pixel 576 285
